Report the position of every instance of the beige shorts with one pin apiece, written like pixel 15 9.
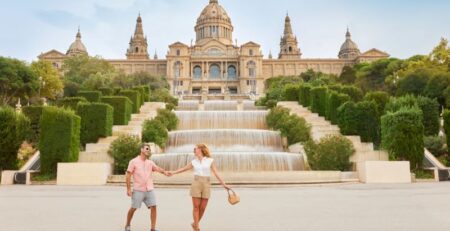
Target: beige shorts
pixel 201 187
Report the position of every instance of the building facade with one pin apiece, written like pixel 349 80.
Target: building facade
pixel 215 65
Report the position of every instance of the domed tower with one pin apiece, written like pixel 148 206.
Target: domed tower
pixel 77 47
pixel 214 23
pixel 138 43
pixel 349 50
pixel 289 44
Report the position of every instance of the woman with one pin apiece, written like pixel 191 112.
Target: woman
pixel 203 165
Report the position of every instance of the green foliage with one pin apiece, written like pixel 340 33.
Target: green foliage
pixel 122 108
pixel 368 122
pixel 447 127
pixel 373 76
pixel 305 95
pixel 413 83
pixel 60 138
pixel 17 80
pixel 162 95
pixel 319 100
pixel 106 91
pixel 446 96
pixel 348 75
pixel 276 116
pixel 402 135
pixel 91 96
pixel 396 104
pixel 145 94
pixel 154 131
pixel 436 87
pixel 435 144
pixel 291 92
pixel 355 93
pixel 335 100
pixel 135 98
pixel 271 103
pixel 380 98
pixel 34 114
pixel 295 129
pixel 79 68
pixel 123 149
pixel 50 76
pixel 347 115
pixel 96 121
pixel 332 153
pixel 168 119
pixel 14 129
pixel 70 102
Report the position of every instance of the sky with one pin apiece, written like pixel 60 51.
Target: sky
pixel 402 28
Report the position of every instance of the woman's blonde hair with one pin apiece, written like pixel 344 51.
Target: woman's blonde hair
pixel 204 149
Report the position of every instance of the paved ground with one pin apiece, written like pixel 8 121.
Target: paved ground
pixel 422 206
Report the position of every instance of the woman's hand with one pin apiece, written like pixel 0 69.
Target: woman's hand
pixel 226 187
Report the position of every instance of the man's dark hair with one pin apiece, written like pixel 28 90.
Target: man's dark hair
pixel 145 145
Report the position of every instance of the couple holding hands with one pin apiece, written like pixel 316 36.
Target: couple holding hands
pixel 141 169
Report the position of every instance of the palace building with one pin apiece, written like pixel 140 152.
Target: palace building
pixel 215 65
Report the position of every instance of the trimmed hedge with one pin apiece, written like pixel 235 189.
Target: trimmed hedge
pixel 334 101
pixel 147 93
pixel 155 132
pixel 168 118
pixel 304 97
pixel 135 98
pixel 380 98
pixel 34 114
pixel 347 115
pixel 402 135
pixel 60 138
pixel 122 108
pixel 355 93
pixel 290 92
pixel 91 96
pixel 70 102
pixel 123 149
pixel 332 153
pixel 447 127
pixel 319 100
pixel 96 121
pixel 141 90
pixel 368 122
pixel 14 129
pixel 106 91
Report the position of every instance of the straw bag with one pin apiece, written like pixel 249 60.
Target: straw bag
pixel 233 198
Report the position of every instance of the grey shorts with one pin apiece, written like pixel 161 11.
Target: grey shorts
pixel 143 197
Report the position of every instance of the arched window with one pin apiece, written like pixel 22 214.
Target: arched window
pixel 251 65
pixel 178 52
pixel 137 49
pixel 214 71
pixel 177 69
pixel 250 52
pixel 197 72
pixel 232 72
pixel 290 49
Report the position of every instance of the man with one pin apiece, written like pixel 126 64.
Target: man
pixel 141 169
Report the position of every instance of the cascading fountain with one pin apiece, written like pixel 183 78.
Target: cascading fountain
pixel 239 140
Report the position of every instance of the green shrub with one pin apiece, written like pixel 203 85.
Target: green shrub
pixel 355 93
pixel 91 96
pixel 122 108
pixel 335 100
pixel 276 116
pixel 319 100
pixel 429 108
pixel 14 129
pixel 106 91
pixel 147 93
pixel 304 95
pixel 60 138
pixel 380 98
pixel 34 114
pixel 447 127
pixel 368 122
pixel 124 149
pixel 271 103
pixel 96 121
pixel 144 96
pixel 295 129
pixel 70 102
pixel 170 106
pixel 117 90
pixel 402 135
pixel 335 87
pixel 446 96
pixel 163 95
pixel 332 153
pixel 135 98
pixel 347 115
pixel 291 92
pixel 168 118
pixel 155 132
pixel 435 144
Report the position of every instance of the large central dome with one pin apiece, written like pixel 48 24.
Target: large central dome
pixel 214 23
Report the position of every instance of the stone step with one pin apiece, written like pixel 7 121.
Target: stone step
pixel 98 147
pixel 363 147
pixel 369 156
pixel 145 116
pixel 95 157
pixel 135 123
pixel 127 133
pixel 319 135
pixel 107 140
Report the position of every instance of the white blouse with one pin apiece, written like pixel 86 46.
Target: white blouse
pixel 202 168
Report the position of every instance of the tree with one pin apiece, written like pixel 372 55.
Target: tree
pixel 78 68
pixel 348 75
pixel 436 87
pixel 414 83
pixel 53 84
pixel 441 54
pixel 372 77
pixel 16 80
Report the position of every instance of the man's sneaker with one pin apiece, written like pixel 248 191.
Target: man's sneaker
pixel 127 228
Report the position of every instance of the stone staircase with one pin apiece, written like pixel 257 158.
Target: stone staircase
pixel 95 164
pixel 320 128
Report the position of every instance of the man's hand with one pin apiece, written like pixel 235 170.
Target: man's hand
pixel 129 192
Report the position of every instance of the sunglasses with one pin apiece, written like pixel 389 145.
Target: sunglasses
pixel 146 149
